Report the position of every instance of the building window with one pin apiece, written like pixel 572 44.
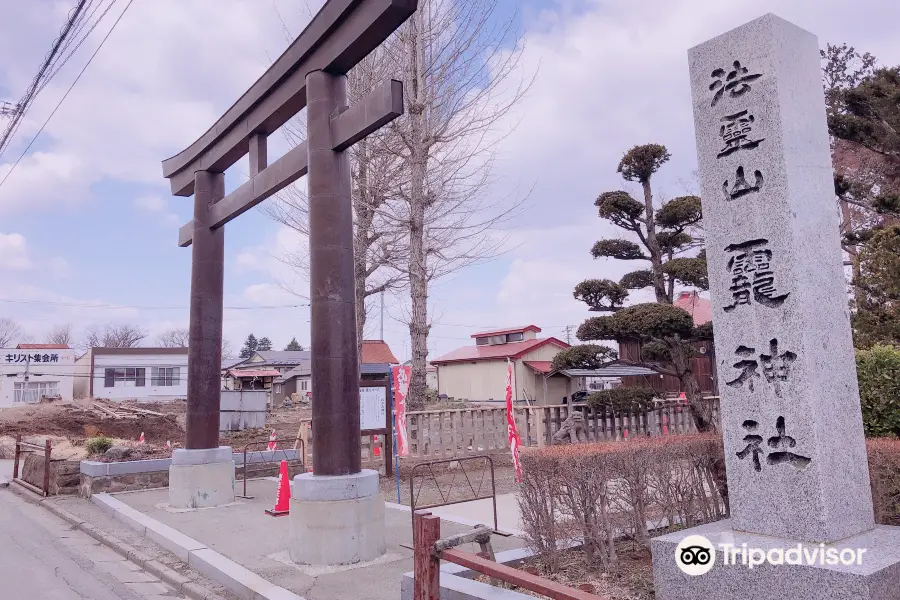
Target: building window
pixel 125 377
pixel 33 391
pixel 165 376
pixel 303 385
pixel 515 337
pixel 482 341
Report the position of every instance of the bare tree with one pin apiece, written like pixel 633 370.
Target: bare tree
pixel 61 334
pixel 179 338
pixel 113 336
pixel 10 332
pixel 457 69
pixel 173 338
pixel 376 169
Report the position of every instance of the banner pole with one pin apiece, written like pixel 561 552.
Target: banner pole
pixel 394 432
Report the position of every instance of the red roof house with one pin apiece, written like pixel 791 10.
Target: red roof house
pixel 377 352
pixel 478 372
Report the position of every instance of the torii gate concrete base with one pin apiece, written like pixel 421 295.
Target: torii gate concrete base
pixel 337 520
pixel 201 478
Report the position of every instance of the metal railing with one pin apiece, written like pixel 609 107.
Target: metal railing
pixel 447 500
pixel 265 463
pixel 32 448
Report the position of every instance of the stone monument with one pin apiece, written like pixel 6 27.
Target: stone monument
pixel 793 435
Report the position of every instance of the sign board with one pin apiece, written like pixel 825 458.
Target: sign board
pixel 372 407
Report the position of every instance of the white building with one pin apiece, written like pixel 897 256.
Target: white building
pixel 34 371
pixel 142 374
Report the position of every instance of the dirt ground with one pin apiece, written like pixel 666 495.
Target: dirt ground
pixel 631 578
pixel 69 424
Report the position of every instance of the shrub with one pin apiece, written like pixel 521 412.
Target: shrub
pixel 98 445
pixel 623 399
pixel 878 372
pixel 884 472
pixel 595 491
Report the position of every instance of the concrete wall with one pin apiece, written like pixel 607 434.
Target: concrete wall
pixel 243 409
pixel 148 392
pixel 15 365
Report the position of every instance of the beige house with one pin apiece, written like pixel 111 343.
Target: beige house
pixel 477 373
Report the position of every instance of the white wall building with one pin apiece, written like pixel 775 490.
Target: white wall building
pixel 34 371
pixel 142 374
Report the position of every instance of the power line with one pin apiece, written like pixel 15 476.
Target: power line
pixel 32 90
pixel 66 95
pixel 81 305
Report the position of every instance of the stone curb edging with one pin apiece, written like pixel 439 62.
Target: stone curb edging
pixel 238 579
pixel 168 575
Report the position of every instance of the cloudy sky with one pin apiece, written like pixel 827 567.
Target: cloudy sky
pixel 88 228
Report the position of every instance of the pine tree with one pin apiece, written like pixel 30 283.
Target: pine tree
pixel 294 346
pixel 265 344
pixel 250 346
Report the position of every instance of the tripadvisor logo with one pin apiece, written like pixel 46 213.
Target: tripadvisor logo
pixel 695 555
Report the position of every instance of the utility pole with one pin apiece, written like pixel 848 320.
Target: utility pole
pixel 382 315
pixel 569 334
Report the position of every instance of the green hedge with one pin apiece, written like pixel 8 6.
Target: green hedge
pixel 622 398
pixel 878 372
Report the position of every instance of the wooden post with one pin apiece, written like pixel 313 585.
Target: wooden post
pixel 16 458
pixel 427 568
pixel 46 467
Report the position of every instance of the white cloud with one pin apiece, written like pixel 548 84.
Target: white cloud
pixel 159 207
pixel 154 87
pixel 14 252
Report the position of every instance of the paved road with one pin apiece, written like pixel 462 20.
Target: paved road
pixel 42 557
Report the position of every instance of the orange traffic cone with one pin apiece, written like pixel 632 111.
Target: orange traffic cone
pixel 377 448
pixel 273 441
pixel 141 439
pixel 283 495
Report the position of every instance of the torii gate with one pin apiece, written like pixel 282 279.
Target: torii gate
pixel 311 74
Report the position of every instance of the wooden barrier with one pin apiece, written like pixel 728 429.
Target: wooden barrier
pixel 429 550
pixel 460 432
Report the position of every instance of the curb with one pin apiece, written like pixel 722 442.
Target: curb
pixel 170 576
pixel 218 568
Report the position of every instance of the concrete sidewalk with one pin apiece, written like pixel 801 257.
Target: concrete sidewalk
pixel 245 534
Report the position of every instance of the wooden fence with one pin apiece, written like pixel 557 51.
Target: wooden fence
pixel 454 433
pixel 471 431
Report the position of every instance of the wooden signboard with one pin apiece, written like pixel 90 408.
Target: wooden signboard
pixel 375 412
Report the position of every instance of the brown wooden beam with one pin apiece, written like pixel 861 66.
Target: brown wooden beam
pixel 258 153
pixel 341 34
pixel 268 182
pixel 382 105
pixel 535 583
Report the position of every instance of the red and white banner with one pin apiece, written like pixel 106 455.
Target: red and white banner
pixel 513 432
pixel 401 376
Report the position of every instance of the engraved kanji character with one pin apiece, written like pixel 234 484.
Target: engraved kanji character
pixel 735 83
pixel 752 258
pixel 773 370
pixel 735 133
pixel 753 444
pixel 741 187
pixel 781 441
pixel 54 358
pixel 747 366
pixel 45 358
